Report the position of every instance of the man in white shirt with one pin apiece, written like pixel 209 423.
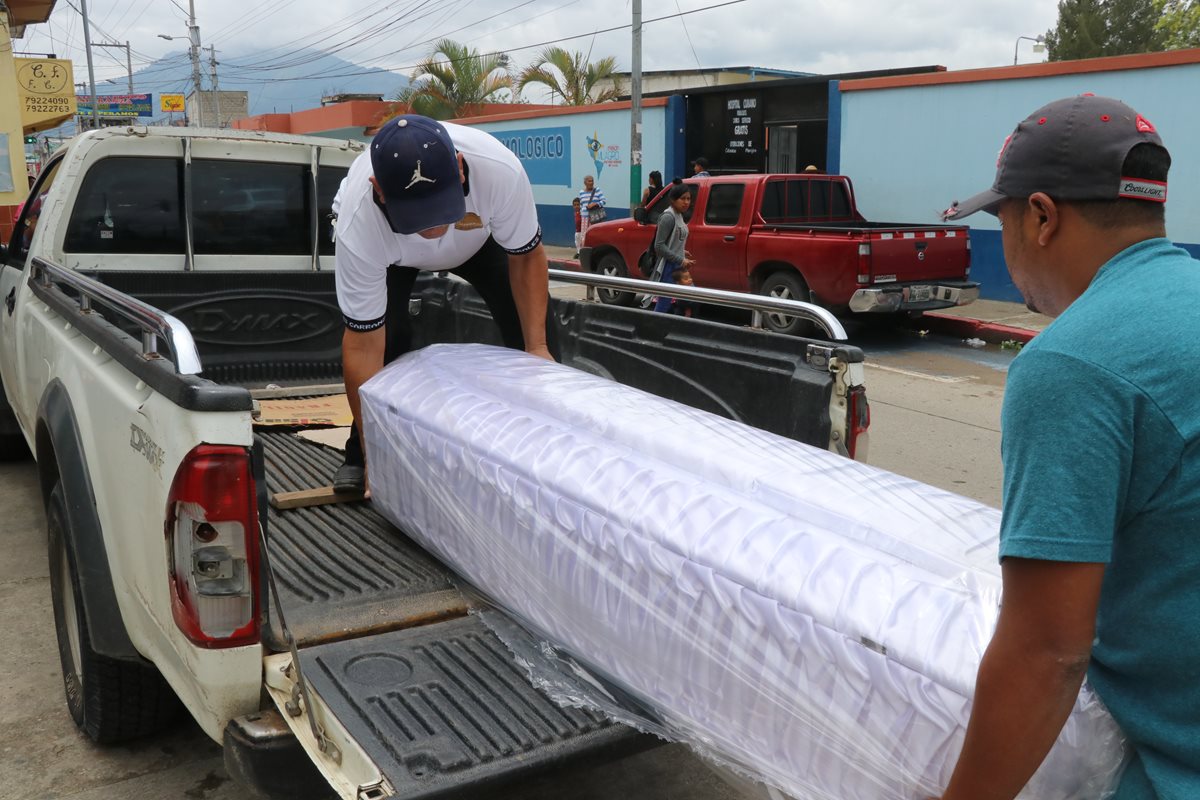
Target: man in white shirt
pixel 431 196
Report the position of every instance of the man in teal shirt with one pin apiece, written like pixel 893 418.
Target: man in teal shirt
pixel 1100 538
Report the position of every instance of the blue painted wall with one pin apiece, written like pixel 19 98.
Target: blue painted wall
pixel 913 150
pixel 559 150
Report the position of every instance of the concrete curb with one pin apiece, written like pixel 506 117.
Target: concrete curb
pixel 969 328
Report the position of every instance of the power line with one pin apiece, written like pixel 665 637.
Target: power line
pixel 506 50
pixel 686 34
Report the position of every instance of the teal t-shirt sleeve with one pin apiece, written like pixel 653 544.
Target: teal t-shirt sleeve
pixel 1067 446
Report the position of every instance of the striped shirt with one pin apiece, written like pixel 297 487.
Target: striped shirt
pixel 586 198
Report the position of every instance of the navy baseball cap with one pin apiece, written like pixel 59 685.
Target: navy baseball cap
pixel 1071 149
pixel 415 164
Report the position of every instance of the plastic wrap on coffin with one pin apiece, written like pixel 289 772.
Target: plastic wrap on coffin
pixel 813 622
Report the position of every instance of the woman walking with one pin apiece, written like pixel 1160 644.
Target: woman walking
pixel 669 240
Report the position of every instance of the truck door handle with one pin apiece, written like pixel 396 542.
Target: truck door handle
pixel 730 238
pixel 10 302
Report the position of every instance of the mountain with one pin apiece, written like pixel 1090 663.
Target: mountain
pixel 275 83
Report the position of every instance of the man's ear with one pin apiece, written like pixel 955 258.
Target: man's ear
pixel 1046 213
pixel 462 173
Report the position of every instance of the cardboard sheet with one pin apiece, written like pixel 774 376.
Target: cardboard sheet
pixel 330 437
pixel 332 410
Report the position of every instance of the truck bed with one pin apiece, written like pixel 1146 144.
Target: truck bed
pixel 430 694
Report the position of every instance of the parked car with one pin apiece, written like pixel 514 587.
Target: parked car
pixel 797 237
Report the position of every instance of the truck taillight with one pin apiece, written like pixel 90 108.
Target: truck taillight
pixel 859 421
pixel 967 271
pixel 212 539
pixel 864 264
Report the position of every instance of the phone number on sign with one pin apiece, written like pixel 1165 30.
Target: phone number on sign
pixel 48 105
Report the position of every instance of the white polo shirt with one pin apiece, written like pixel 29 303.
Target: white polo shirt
pixel 499 204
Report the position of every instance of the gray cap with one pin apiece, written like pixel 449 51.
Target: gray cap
pixel 1071 149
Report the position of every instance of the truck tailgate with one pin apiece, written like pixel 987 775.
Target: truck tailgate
pixel 440 709
pixel 916 254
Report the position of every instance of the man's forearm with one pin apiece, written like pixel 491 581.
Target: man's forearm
pixel 1022 700
pixel 362 357
pixel 531 290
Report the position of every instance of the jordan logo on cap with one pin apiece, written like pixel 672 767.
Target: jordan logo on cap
pixel 417 177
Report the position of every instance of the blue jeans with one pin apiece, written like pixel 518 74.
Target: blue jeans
pixel 668 276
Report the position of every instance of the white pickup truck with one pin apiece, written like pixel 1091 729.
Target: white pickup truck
pixel 157 281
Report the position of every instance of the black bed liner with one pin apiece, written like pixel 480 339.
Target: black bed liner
pixel 343 570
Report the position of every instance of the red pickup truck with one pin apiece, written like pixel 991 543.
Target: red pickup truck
pixel 798 237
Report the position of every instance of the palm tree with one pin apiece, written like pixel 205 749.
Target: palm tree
pixel 454 81
pixel 571 76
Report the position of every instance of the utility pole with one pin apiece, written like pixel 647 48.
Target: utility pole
pixel 194 40
pixel 212 66
pixel 128 60
pixel 635 111
pixel 87 44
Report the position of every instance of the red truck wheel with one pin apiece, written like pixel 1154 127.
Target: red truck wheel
pixel 786 286
pixel 612 265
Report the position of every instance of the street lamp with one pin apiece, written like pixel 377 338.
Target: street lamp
pixel 193 38
pixel 1039 45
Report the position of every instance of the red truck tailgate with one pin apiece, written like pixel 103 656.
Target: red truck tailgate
pixel 917 254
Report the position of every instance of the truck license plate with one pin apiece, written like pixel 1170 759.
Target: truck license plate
pixel 919 294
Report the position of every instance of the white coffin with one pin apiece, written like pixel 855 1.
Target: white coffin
pixel 816 622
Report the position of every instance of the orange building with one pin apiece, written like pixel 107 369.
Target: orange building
pixel 350 117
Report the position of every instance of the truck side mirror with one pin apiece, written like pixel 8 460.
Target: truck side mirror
pixel 640 216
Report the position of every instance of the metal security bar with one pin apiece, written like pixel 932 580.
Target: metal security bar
pixel 154 324
pixel 759 304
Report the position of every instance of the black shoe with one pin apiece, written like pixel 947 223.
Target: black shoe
pixel 350 478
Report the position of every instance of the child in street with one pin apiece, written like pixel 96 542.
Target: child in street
pixel 578 226
pixel 683 308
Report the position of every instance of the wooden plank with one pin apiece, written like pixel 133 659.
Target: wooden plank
pixel 321 496
pixel 316 390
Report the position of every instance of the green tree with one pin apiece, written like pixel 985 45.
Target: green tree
pixel 455 81
pixel 1093 28
pixel 1133 26
pixel 1179 24
pixel 571 76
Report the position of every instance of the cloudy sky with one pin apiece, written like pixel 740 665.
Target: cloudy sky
pixel 823 36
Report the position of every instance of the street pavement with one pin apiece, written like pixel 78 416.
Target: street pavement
pixel 935 405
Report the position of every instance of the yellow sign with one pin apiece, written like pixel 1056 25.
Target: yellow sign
pixel 170 102
pixel 47 90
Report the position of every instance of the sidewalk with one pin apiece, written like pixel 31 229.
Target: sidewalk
pixel 993 321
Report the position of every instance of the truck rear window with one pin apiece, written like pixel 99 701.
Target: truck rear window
pixel 246 207
pixel 135 206
pixel 129 205
pixel 805 200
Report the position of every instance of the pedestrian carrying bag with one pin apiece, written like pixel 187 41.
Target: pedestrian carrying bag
pixel 595 214
pixel 646 261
